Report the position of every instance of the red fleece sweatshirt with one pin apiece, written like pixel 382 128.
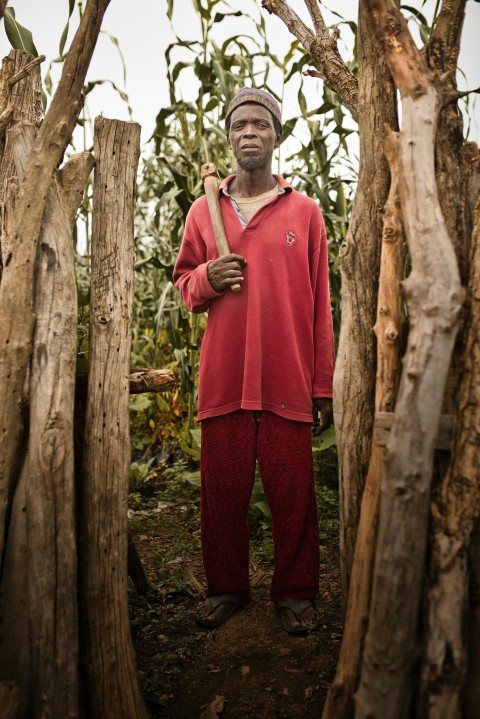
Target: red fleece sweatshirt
pixel 269 346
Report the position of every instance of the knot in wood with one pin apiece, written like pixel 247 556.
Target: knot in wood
pixel 103 319
pixel 430 310
pixel 343 250
pixel 52 446
pixel 269 5
pixel 391 333
pixel 389 233
pixel 418 90
pixel 394 43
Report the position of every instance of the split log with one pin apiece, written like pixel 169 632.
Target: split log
pixel 111 680
pixel 454 509
pixel 48 474
pixel 434 297
pixel 20 100
pixel 16 288
pixel 388 330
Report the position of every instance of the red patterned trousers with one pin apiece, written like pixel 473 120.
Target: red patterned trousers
pixel 231 445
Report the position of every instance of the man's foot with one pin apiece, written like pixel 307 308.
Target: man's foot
pixel 217 609
pixel 298 616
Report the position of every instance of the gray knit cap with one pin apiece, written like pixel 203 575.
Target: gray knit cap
pixel 261 97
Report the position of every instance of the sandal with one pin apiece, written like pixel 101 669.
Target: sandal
pixel 294 624
pixel 230 604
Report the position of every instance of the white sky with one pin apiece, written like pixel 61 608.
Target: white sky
pixel 144 32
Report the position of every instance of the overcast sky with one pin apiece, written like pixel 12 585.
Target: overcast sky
pixel 144 32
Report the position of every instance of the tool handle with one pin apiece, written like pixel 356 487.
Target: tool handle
pixel 211 182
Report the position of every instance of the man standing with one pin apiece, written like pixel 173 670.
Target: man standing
pixel 266 364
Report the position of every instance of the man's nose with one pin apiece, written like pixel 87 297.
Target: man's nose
pixel 250 130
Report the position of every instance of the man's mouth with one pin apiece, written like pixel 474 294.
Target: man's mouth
pixel 250 147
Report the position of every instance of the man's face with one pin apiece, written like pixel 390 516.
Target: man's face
pixel 252 136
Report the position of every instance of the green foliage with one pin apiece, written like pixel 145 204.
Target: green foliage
pixel 190 132
pixel 19 37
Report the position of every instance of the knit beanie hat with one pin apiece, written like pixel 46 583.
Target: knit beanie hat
pixel 261 97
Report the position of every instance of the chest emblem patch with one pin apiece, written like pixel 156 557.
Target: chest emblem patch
pixel 290 238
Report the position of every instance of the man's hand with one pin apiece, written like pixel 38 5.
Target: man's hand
pixel 322 414
pixel 226 271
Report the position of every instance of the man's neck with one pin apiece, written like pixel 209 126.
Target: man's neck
pixel 250 183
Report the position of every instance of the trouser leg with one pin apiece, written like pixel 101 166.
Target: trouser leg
pixel 227 475
pixel 284 451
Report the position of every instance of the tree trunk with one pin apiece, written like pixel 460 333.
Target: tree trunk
pixel 354 383
pixel 434 296
pixel 455 507
pixel 388 328
pixel 16 288
pixel 111 679
pixel 48 673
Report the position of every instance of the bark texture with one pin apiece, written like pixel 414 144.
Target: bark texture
pixel 388 330
pixel 455 507
pixel 16 295
pixel 434 297
pixel 322 46
pixel 111 680
pixel 42 583
pixel 354 382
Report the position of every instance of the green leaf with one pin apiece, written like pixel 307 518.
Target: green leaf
pixel 20 38
pixel 140 402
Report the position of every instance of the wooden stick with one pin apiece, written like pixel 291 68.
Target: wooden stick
pixel 211 181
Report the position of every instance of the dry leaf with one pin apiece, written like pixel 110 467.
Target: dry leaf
pixel 214 709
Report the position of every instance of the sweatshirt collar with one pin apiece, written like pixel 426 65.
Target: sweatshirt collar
pixel 283 184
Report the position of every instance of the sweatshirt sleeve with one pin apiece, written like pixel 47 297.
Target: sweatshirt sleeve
pixel 190 271
pixel 324 345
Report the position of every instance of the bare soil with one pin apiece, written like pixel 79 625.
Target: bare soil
pixel 248 667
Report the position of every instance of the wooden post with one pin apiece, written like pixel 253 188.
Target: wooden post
pixel 388 330
pixel 107 652
pixel 434 296
pixel 40 647
pixel 16 288
pixel 354 381
pixel 455 507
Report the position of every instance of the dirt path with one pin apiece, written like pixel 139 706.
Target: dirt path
pixel 249 667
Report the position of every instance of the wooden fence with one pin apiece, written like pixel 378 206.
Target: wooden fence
pixel 65 645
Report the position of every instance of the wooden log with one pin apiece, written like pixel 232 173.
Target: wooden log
pixel 49 475
pixel 455 506
pixel 16 288
pixel 112 684
pixel 388 329
pixel 355 368
pixel 142 380
pixel 152 380
pixel 19 100
pixel 434 296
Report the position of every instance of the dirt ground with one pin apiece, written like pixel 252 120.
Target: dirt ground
pixel 248 667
